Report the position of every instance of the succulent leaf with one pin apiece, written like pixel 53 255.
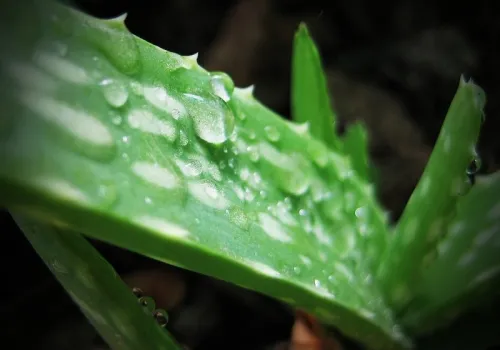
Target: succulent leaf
pixel 93 285
pixel 311 102
pixel 466 271
pixel 432 205
pixel 144 149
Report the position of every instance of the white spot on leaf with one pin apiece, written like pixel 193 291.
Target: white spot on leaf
pixel 158 97
pixel 79 123
pixel 61 188
pixel 208 194
pixel 62 68
pixel 148 122
pixel 156 175
pixel 273 228
pixel 163 226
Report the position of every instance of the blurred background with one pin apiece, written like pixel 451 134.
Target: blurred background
pixel 393 64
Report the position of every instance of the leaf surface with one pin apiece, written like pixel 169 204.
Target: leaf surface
pixel 144 149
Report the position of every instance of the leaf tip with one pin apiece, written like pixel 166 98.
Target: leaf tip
pixel 191 60
pixel 246 92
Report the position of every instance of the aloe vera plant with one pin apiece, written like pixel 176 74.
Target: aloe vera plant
pixel 106 135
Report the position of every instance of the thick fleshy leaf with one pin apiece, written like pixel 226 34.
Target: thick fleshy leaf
pixel 310 98
pixel 144 149
pixel 96 288
pixel 432 205
pixel 466 271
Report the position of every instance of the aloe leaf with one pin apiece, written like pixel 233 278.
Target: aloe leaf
pixel 144 149
pixel 310 98
pixel 467 269
pixel 355 144
pixel 95 287
pixel 432 205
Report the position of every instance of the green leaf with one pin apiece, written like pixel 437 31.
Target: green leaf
pixel 432 205
pixel 144 149
pixel 466 271
pixel 310 98
pixel 355 145
pixel 95 287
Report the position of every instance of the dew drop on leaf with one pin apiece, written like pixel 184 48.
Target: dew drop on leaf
pixel 222 85
pixel 213 119
pixel 272 133
pixel 108 194
pixel 114 92
pixel 161 317
pixel 148 304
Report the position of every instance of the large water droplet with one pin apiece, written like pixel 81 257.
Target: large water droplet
pixel 114 92
pixel 272 133
pixel 213 119
pixel 222 85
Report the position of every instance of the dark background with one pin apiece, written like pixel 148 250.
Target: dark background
pixel 394 64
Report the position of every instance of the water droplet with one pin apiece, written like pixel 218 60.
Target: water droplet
pixel 125 139
pixel 213 119
pixel 238 217
pixel 296 269
pixel 473 168
pixel 272 133
pixel 148 200
pixel 137 292
pixel 253 153
pixel 117 120
pixel 222 85
pixel 361 212
pixel 249 195
pixel 148 304
pixel 114 92
pixel 317 283
pixel 161 317
pixel 108 194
